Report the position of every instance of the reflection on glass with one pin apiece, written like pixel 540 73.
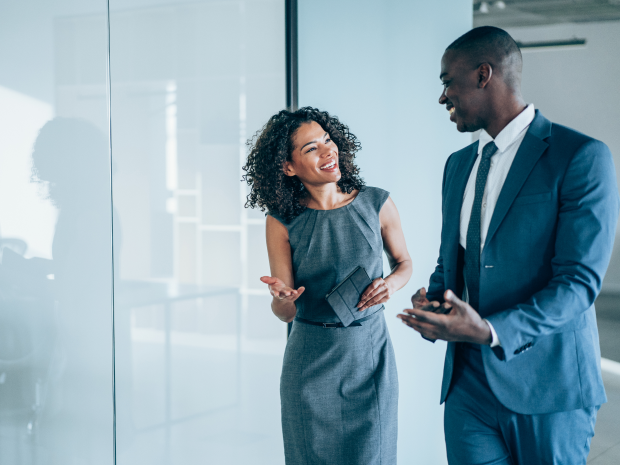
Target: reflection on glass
pixel 71 159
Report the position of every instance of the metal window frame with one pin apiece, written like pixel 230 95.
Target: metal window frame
pixel 292 83
pixel 290 7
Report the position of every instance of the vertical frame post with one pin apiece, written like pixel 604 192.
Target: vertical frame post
pixel 290 8
pixel 113 302
pixel 291 54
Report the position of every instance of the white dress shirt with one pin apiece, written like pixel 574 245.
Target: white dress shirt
pixel 508 142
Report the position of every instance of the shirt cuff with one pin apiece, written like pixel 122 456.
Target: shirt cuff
pixel 494 339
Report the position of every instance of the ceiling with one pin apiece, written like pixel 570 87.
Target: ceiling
pixel 514 13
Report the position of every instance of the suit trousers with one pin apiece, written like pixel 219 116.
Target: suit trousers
pixel 480 430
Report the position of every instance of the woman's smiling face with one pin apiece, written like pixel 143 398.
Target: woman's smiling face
pixel 314 157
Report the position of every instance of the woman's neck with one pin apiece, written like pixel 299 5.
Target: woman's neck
pixel 325 197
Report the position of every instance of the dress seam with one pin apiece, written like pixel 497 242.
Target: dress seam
pixel 362 224
pixel 342 419
pixel 309 240
pixel 374 380
pixel 303 417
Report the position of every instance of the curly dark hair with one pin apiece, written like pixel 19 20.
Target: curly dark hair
pixel 270 188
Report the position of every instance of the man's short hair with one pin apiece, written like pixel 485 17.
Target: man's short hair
pixel 493 45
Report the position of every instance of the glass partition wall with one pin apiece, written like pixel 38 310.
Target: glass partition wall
pixel 56 403
pixel 197 351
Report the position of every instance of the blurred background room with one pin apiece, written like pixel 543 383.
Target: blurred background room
pixel 133 327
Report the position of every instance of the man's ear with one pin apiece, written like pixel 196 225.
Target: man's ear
pixel 485 72
pixel 288 169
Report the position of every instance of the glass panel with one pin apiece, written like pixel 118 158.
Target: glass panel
pixel 198 351
pixel 55 235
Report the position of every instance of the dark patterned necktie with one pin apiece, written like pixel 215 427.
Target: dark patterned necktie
pixel 472 251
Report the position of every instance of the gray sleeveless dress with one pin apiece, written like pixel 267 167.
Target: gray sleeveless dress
pixel 339 386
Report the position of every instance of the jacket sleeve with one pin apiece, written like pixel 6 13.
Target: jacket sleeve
pixel 437 286
pixel 586 225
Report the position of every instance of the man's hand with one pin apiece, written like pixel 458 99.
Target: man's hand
pixel 461 324
pixel 420 302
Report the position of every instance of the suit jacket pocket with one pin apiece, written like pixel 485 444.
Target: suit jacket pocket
pixel 532 198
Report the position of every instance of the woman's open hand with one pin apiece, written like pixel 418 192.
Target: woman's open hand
pixel 378 292
pixel 281 291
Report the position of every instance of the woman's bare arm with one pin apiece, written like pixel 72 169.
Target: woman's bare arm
pixel 281 282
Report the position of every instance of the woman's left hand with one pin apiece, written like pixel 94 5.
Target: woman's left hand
pixel 377 293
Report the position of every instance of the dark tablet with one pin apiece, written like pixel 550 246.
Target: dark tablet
pixel 346 295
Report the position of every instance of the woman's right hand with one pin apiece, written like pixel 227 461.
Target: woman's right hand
pixel 281 291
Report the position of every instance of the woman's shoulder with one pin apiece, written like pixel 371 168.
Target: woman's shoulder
pixel 373 196
pixel 288 223
pixel 276 216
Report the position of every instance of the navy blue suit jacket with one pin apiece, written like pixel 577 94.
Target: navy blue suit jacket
pixel 546 252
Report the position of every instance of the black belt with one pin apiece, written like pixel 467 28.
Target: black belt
pixel 334 325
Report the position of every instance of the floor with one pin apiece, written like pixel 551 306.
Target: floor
pixel 605 449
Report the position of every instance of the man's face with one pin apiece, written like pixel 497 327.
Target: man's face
pixel 461 94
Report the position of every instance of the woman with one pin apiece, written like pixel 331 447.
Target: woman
pixel 339 386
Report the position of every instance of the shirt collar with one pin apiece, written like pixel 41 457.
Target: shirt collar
pixel 511 132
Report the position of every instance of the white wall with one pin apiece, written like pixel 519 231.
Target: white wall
pixel 375 64
pixel 577 88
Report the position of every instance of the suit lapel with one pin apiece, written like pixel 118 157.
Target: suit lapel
pixel 453 204
pixel 458 183
pixel 531 149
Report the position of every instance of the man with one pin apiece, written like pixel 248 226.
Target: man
pixel 529 219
